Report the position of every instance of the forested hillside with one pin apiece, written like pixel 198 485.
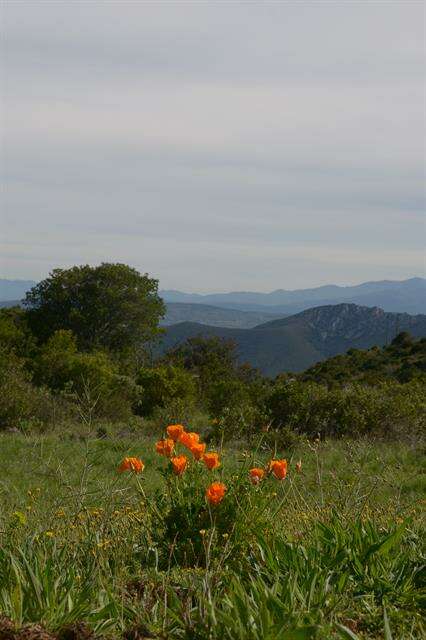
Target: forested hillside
pixel 403 360
pixel 297 342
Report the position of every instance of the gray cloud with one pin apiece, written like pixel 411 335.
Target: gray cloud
pixel 215 145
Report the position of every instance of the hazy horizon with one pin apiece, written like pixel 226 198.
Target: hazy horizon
pixel 225 291
pixel 262 145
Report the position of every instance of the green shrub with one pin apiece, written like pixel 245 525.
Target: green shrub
pixel 90 380
pixel 165 387
pixel 295 405
pixel 226 394
pixel 355 410
pixel 21 403
pixel 15 337
pixel 236 421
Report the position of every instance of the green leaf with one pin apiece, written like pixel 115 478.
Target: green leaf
pixel 345 632
pixel 303 633
pixel 384 546
pixel 388 635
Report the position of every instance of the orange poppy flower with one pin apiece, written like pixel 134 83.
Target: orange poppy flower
pixel 174 431
pixel 179 464
pixel 165 447
pixel 198 450
pixel 278 468
pixel 216 492
pixel 299 466
pixel 131 464
pixel 211 460
pixel 256 474
pixel 188 439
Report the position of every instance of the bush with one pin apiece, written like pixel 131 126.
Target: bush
pixel 225 395
pixel 91 380
pixel 165 387
pixel 15 337
pixel 295 405
pixel 354 410
pixel 236 421
pixel 20 402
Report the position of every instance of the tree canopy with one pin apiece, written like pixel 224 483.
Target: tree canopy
pixel 111 306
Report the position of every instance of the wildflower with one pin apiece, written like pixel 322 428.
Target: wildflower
pixel 278 468
pixel 131 464
pixel 188 439
pixel 103 544
pixel 299 466
pixel 179 464
pixel 198 450
pixel 165 447
pixel 215 492
pixel 174 431
pixel 256 474
pixel 211 460
pixel 20 517
pixel 49 534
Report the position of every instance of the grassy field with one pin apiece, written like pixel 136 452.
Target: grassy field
pixel 335 551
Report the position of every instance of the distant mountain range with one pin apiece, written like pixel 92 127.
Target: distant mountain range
pixel 215 316
pixel 299 341
pixel 407 296
pixel 14 289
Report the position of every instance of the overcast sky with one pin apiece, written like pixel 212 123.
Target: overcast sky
pixel 215 145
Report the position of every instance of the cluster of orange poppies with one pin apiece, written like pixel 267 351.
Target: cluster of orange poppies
pixel 216 491
pixel 191 441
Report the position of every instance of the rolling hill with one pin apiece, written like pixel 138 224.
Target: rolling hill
pixel 406 296
pixel 299 341
pixel 201 313
pixel 404 359
pixel 214 316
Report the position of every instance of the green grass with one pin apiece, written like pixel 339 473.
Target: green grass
pixel 334 552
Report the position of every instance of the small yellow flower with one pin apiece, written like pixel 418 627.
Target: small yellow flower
pixel 20 517
pixel 103 543
pixel 49 534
